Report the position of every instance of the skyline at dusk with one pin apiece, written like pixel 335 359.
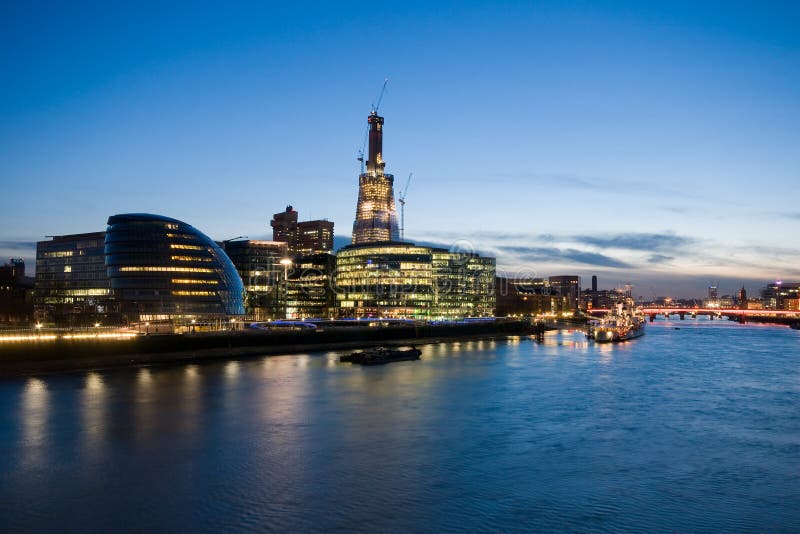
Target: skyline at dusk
pixel 642 143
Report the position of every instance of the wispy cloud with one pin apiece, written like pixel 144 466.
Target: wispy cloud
pixel 551 254
pixel 643 242
pixel 18 245
pixel 659 258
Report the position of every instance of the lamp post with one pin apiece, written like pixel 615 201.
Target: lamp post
pixel 286 262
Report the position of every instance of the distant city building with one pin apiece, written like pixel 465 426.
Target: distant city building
pixel 16 289
pixel 310 293
pixel 603 299
pixel 781 296
pixel 376 215
pixel 742 299
pixel 259 266
pixel 569 287
pixel 303 238
pixel 71 286
pixel 754 303
pixel 726 302
pixel 527 297
pixel 162 269
pixel 713 297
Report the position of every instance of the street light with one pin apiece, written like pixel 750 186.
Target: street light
pixel 286 262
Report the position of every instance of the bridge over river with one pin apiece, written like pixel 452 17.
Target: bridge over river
pixel 714 313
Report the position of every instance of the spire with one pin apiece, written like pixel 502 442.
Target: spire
pixel 375 163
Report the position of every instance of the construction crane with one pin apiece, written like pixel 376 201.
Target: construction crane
pixel 380 98
pixel 401 198
pixel 375 107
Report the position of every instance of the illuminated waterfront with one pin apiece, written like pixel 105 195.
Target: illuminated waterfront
pixel 687 429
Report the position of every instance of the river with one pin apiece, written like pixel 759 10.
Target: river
pixel 695 426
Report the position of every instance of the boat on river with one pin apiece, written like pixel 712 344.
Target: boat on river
pixel 382 355
pixel 622 323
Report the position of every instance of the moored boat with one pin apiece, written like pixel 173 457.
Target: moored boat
pixel 381 355
pixel 621 324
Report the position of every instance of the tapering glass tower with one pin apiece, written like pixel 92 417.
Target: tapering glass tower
pixel 376 215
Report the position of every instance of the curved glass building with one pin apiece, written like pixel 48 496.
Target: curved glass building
pixel 164 269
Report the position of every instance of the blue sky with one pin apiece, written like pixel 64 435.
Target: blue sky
pixel 648 142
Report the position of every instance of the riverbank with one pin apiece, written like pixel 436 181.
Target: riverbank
pixel 80 355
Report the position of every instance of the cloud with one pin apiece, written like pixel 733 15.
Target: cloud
pixel 18 245
pixel 548 254
pixel 644 242
pixel 659 258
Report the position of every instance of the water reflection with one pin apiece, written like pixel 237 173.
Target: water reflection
pixel 501 434
pixel 34 416
pixel 94 406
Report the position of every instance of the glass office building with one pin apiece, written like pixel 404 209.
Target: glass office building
pixel 463 285
pixel 404 280
pixel 309 291
pixel 259 265
pixel 164 269
pixel 384 280
pixel 71 287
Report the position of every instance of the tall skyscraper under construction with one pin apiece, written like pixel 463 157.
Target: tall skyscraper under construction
pixel 376 215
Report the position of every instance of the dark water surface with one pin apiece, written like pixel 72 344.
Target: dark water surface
pixel 695 429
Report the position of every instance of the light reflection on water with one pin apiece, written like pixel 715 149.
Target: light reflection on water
pixel 687 429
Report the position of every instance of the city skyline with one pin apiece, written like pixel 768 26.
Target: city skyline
pixel 643 144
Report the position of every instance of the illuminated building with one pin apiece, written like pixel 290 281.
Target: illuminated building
pixel 162 269
pixel 529 297
pixel 463 285
pixel 379 276
pixel 385 280
pixel 71 286
pixel 303 238
pixel 376 215
pixel 397 280
pixel 569 287
pixel 259 266
pixel 713 297
pixel 781 296
pixel 309 291
pixel 741 299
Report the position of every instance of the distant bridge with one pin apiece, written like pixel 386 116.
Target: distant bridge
pixel 732 313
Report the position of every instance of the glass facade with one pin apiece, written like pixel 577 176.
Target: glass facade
pixel 71 286
pixel 162 268
pixel 384 280
pixel 463 285
pixel 259 266
pixel 309 291
pixel 376 215
pixel 404 280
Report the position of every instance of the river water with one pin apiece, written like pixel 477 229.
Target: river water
pixel 693 427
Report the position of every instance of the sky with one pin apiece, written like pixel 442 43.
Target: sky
pixel 655 143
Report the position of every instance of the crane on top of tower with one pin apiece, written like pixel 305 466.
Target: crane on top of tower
pixel 374 111
pixel 380 97
pixel 401 198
